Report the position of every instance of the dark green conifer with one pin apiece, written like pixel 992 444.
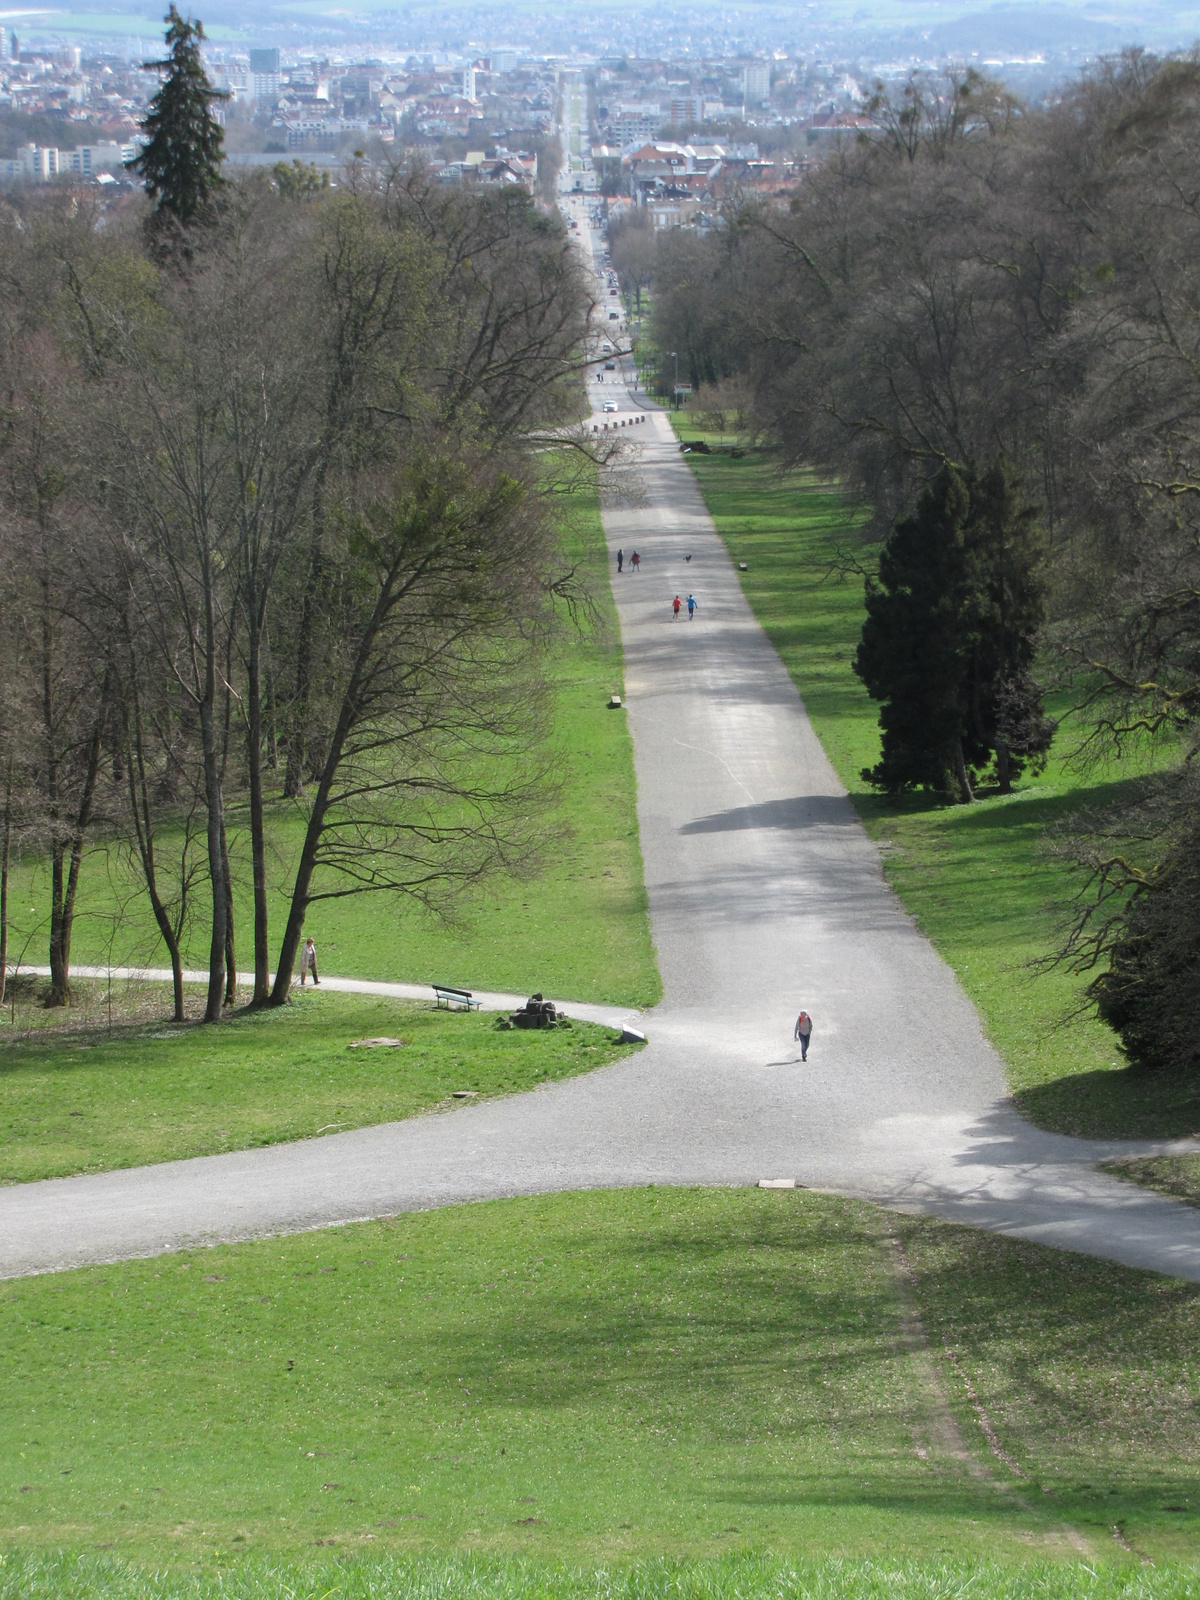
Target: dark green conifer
pixel 913 643
pixel 181 161
pixel 1005 608
pixel 948 642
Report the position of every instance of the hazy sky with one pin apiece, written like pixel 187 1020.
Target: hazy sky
pixel 957 27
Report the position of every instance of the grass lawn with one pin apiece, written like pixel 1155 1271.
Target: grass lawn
pixel 579 931
pixel 738 1576
pixel 85 1101
pixel 604 1377
pixel 1177 1176
pixel 977 878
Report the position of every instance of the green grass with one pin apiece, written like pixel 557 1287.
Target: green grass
pixel 579 931
pixel 1177 1176
pixel 84 1102
pixel 740 1576
pixel 978 878
pixel 601 1378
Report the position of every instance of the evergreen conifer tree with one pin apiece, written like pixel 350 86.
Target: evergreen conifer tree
pixel 911 656
pixel 181 162
pixel 1006 607
pixel 948 642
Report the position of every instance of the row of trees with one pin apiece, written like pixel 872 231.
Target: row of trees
pixel 275 531
pixel 983 310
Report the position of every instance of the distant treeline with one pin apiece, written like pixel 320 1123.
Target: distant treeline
pixel 41 128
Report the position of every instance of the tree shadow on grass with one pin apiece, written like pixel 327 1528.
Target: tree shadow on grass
pixel 779 1330
pixel 1023 808
pixel 1118 1103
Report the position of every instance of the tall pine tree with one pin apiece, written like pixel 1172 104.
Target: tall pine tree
pixel 948 642
pixel 1005 609
pixel 180 163
pixel 913 642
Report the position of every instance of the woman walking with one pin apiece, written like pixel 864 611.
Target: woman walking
pixel 803 1033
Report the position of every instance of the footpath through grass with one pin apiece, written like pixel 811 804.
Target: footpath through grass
pixel 976 878
pixel 603 1378
pixel 579 931
pixel 87 1101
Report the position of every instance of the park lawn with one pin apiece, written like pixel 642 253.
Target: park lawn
pixel 741 1575
pixel 579 931
pixel 1176 1176
pixel 602 1377
pixel 977 879
pixel 88 1102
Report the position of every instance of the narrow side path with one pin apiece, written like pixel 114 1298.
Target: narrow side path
pixel 489 999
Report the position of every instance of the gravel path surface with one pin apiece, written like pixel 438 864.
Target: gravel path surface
pixel 765 895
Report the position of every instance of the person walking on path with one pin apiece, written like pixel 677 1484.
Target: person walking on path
pixel 308 963
pixel 803 1033
pixel 692 604
pixel 620 560
pixel 675 604
pixel 635 561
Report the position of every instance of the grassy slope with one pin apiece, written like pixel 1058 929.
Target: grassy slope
pixel 580 931
pixel 599 1377
pixel 89 1102
pixel 976 878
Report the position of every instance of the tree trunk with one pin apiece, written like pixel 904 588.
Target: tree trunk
pixel 258 848
pixel 293 780
pixel 347 715
pixel 59 987
pixel 82 820
pixel 272 723
pixel 139 802
pixel 960 772
pixel 1003 765
pixel 214 820
pixel 230 948
pixel 5 847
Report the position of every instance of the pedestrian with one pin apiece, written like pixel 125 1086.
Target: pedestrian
pixel 675 604
pixel 803 1033
pixel 620 560
pixel 635 561
pixel 308 963
pixel 692 604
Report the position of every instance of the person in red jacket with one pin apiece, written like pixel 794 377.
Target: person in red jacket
pixel 675 605
pixel 803 1033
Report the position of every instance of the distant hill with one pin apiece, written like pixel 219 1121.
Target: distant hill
pixel 1025 30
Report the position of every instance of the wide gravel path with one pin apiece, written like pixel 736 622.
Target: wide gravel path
pixel 765 895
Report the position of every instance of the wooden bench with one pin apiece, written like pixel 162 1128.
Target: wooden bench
pixel 448 997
